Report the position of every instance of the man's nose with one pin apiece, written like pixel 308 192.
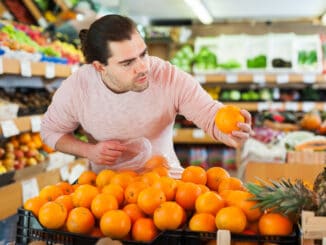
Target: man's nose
pixel 140 65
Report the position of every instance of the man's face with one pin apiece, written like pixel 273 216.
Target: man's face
pixel 128 67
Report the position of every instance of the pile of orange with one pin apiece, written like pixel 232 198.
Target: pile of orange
pixel 124 205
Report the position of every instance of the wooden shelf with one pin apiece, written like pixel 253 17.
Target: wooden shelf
pixel 13 67
pixel 263 77
pixel 192 136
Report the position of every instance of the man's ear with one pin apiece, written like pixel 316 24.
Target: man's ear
pixel 98 66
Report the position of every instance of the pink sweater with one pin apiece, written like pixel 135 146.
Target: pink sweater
pixel 84 100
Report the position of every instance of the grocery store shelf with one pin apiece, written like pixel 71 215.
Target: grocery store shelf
pixel 14 67
pixel 192 136
pixel 270 105
pixel 262 77
pixel 23 124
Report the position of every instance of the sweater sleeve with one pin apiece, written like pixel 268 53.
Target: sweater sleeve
pixel 192 101
pixel 61 116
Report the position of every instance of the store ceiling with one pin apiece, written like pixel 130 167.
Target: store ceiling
pixel 221 10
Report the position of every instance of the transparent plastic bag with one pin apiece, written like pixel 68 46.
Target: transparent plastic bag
pixel 139 150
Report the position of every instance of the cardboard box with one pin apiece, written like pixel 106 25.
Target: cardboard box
pixel 266 171
pixel 12 197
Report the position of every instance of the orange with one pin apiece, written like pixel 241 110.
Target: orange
pixel 275 224
pixel 50 192
pixel 65 187
pixel 203 188
pixel 168 186
pixel 150 177
pixel 122 179
pixel 231 183
pixel 80 220
pixel 194 174
pixel 96 232
pixel 104 177
pixel 168 216
pixel 241 200
pixel 144 230
pixel 115 190
pixel 227 118
pixel 34 204
pixel 115 224
pixel 214 177
pixel 128 172
pixel 162 171
pixel 24 138
pixel 231 218
pixel 209 202
pixel 84 195
pixel 202 222
pixel 132 191
pixel 47 148
pixel 52 215
pixel 187 194
pixel 133 211
pixel 66 201
pixel 102 203
pixel 87 177
pixel 156 161
pixel 149 199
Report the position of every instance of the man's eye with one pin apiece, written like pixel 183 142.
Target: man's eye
pixel 127 63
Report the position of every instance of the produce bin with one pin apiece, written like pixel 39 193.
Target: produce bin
pixel 313 227
pixel 29 229
pixel 201 238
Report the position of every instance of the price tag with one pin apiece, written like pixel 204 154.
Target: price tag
pixel 74 68
pixel 308 106
pixel 231 78
pixel 9 128
pixel 259 78
pixel 25 68
pixel 49 70
pixel 276 106
pixel 324 106
pixel 262 106
pixel 198 134
pixel 1 65
pixel 200 78
pixel 36 123
pixel 30 189
pixel 291 106
pixel 58 160
pixel 283 78
pixel 42 22
pixel 75 172
pixel 309 78
pixel 64 173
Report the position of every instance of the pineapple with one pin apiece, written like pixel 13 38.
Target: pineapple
pixel 291 198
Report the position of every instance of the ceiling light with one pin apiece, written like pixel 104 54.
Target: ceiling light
pixel 200 10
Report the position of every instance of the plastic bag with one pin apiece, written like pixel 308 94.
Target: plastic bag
pixel 139 150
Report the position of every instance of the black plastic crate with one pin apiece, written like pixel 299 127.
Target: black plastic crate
pixel 201 238
pixel 29 229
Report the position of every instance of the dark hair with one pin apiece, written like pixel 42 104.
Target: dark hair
pixel 95 40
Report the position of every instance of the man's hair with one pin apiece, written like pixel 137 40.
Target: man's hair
pixel 95 41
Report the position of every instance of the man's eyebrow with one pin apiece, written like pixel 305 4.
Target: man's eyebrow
pixel 129 60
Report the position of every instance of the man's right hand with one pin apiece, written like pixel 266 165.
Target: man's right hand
pixel 106 152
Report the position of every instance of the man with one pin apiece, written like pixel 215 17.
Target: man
pixel 122 93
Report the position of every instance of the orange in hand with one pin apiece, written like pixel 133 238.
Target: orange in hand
pixel 227 118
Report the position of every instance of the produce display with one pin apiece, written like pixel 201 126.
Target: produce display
pixel 17 40
pixel 134 206
pixel 21 151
